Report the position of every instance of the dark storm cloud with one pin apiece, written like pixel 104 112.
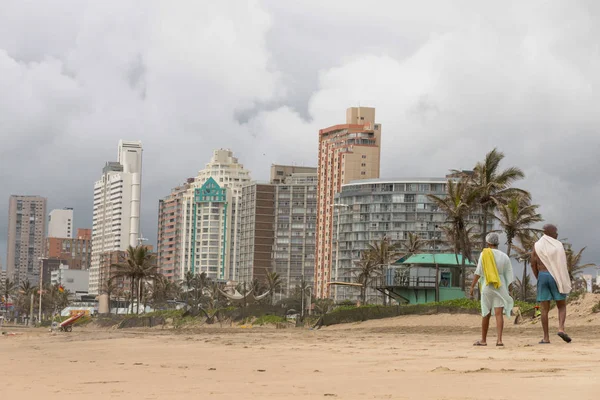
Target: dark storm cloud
pixel 450 81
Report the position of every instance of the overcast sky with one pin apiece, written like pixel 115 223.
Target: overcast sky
pixel 449 80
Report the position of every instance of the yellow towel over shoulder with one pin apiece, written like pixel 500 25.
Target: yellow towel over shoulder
pixel 490 271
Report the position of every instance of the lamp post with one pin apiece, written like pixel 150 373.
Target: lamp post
pixel 337 246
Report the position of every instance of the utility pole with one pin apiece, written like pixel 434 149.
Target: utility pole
pixel 302 295
pixel 41 287
pixel 31 310
pixel 244 300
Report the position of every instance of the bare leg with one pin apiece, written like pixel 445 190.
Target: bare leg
pixel 562 314
pixel 545 307
pixel 499 311
pixel 485 324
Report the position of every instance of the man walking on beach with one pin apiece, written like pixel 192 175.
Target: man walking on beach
pixel 549 265
pixel 494 271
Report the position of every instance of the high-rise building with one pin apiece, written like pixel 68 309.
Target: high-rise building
pixel 210 237
pixel 347 152
pixel 117 196
pixel 278 223
pixel 257 219
pixel 60 223
pixel 295 229
pixel 76 252
pixel 170 223
pixel 26 231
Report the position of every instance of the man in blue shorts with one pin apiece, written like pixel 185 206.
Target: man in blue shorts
pixel 549 265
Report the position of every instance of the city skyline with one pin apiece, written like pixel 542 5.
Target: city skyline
pixel 448 87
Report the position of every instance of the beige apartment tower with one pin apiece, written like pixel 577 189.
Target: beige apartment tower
pixel 347 152
pixel 26 231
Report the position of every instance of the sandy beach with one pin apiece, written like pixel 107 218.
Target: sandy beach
pixel 414 357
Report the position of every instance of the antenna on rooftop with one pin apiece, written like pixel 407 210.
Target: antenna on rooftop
pixel 141 240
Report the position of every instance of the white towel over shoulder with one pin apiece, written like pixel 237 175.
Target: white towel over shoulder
pixel 552 253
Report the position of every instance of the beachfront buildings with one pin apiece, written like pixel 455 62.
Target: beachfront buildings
pixel 211 224
pixel 116 218
pixel 278 226
pixel 75 252
pixel 60 223
pixel 387 208
pixel 170 223
pixel 26 232
pixel 347 152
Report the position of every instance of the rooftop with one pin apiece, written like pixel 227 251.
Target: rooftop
pixel 395 180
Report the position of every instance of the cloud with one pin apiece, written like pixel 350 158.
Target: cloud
pixel 449 81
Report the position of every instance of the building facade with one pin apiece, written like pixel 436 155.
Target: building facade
pixel 117 196
pixel 295 229
pixel 60 223
pixel 26 233
pixel 387 208
pixel 257 220
pixel 75 281
pixel 347 152
pixel 77 252
pixel 170 223
pixel 279 173
pixel 210 236
pixel 278 223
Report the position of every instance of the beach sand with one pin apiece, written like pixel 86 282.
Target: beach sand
pixel 413 357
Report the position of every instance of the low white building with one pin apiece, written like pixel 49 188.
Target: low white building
pixel 74 280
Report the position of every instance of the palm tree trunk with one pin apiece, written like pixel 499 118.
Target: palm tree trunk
pixel 131 294
pixel 509 248
pixel 523 285
pixel 484 228
pixel 139 296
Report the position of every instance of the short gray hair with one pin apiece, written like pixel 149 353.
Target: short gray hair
pixel 492 238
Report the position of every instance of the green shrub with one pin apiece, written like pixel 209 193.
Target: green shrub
pixel 596 308
pixel 355 314
pixel 269 319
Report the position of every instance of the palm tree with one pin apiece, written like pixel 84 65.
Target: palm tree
pixel 273 283
pixel 367 268
pixel 138 265
pixel 516 217
pixel 457 205
pixel 527 240
pixel 573 259
pixel 7 289
pixel 384 252
pixel 413 245
pixel 25 287
pixel 523 289
pixel 493 186
pixel 162 290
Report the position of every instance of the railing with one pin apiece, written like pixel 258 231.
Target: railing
pixel 396 278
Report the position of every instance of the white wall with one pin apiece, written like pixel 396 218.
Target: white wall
pixel 60 224
pixel 71 279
